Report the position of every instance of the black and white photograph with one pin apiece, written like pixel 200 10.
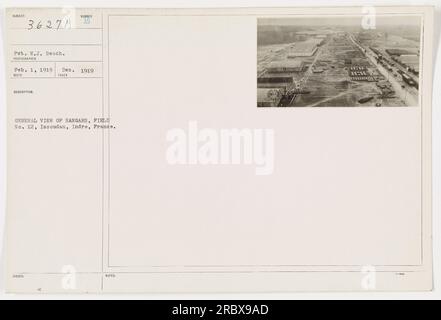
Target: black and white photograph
pixel 215 158
pixel 338 61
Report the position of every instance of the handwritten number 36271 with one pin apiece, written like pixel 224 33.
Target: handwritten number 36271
pixel 49 24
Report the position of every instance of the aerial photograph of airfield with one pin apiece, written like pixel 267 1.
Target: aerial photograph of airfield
pixel 338 62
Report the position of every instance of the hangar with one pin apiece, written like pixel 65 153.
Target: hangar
pixel 286 66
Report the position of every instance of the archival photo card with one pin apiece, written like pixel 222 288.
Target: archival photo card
pixel 339 61
pixel 140 160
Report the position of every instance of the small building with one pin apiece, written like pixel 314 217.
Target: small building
pixel 317 69
pixel 397 52
pixel 358 68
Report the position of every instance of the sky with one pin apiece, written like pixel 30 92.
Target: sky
pixel 352 20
